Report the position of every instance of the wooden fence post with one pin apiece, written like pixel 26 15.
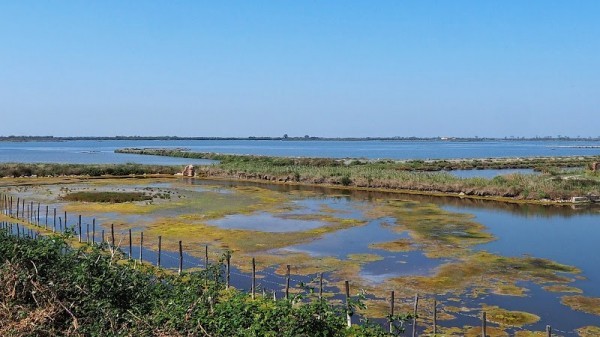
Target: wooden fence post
pixel 320 286
pixel 348 315
pixel 392 312
pixel 54 220
pixel 180 258
pixel 434 316
pixel 65 220
pixel 46 222
pixel 38 214
pixel 549 330
pixel 287 283
pixel 253 278
pixel 141 247
pixel 159 251
pixel 18 200
pixel 87 233
pixel 483 324
pixel 130 245
pixel 60 228
pixel 228 275
pixel 112 235
pixel 414 331
pixel 206 255
pixel 94 231
pixel 79 227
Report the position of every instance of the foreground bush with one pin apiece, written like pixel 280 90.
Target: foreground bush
pixel 49 289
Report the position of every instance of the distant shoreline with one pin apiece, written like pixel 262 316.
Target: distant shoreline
pixel 305 138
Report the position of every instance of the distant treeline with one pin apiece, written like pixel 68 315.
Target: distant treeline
pixel 287 138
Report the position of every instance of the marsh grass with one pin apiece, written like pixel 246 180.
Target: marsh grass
pixel 93 170
pixel 107 197
pixel 414 175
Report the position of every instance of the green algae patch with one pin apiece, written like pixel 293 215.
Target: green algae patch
pixel 364 258
pixel 492 331
pixel 304 264
pixel 238 240
pixel 450 332
pixel 440 233
pixel 562 288
pixel 187 203
pixel 590 305
pixel 525 333
pixel 401 245
pixel 509 289
pixel 107 197
pixel 484 271
pixel 97 208
pixel 589 331
pixel 506 317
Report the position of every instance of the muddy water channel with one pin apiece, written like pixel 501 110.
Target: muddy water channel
pixel 527 266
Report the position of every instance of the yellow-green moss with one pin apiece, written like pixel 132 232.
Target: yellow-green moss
pixel 591 305
pixel 561 288
pixel 400 245
pixel 589 331
pixel 364 258
pixel 512 318
pixel 525 333
pixel 492 331
pixel 440 233
pixel 485 271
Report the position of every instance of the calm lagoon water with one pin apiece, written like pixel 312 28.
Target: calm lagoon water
pixel 103 151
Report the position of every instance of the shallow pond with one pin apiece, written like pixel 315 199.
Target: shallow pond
pixel 467 253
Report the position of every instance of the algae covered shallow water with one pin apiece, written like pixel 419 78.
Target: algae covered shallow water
pixel 541 260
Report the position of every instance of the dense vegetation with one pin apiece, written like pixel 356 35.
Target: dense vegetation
pixel 111 197
pixel 50 289
pixel 93 170
pixel 554 183
pixel 535 163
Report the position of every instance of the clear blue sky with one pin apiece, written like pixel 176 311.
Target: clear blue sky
pixel 322 68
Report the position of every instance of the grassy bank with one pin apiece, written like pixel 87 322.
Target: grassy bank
pixel 552 184
pixel 542 164
pixel 51 289
pixel 93 170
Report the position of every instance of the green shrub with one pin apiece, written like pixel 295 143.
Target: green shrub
pixel 49 289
